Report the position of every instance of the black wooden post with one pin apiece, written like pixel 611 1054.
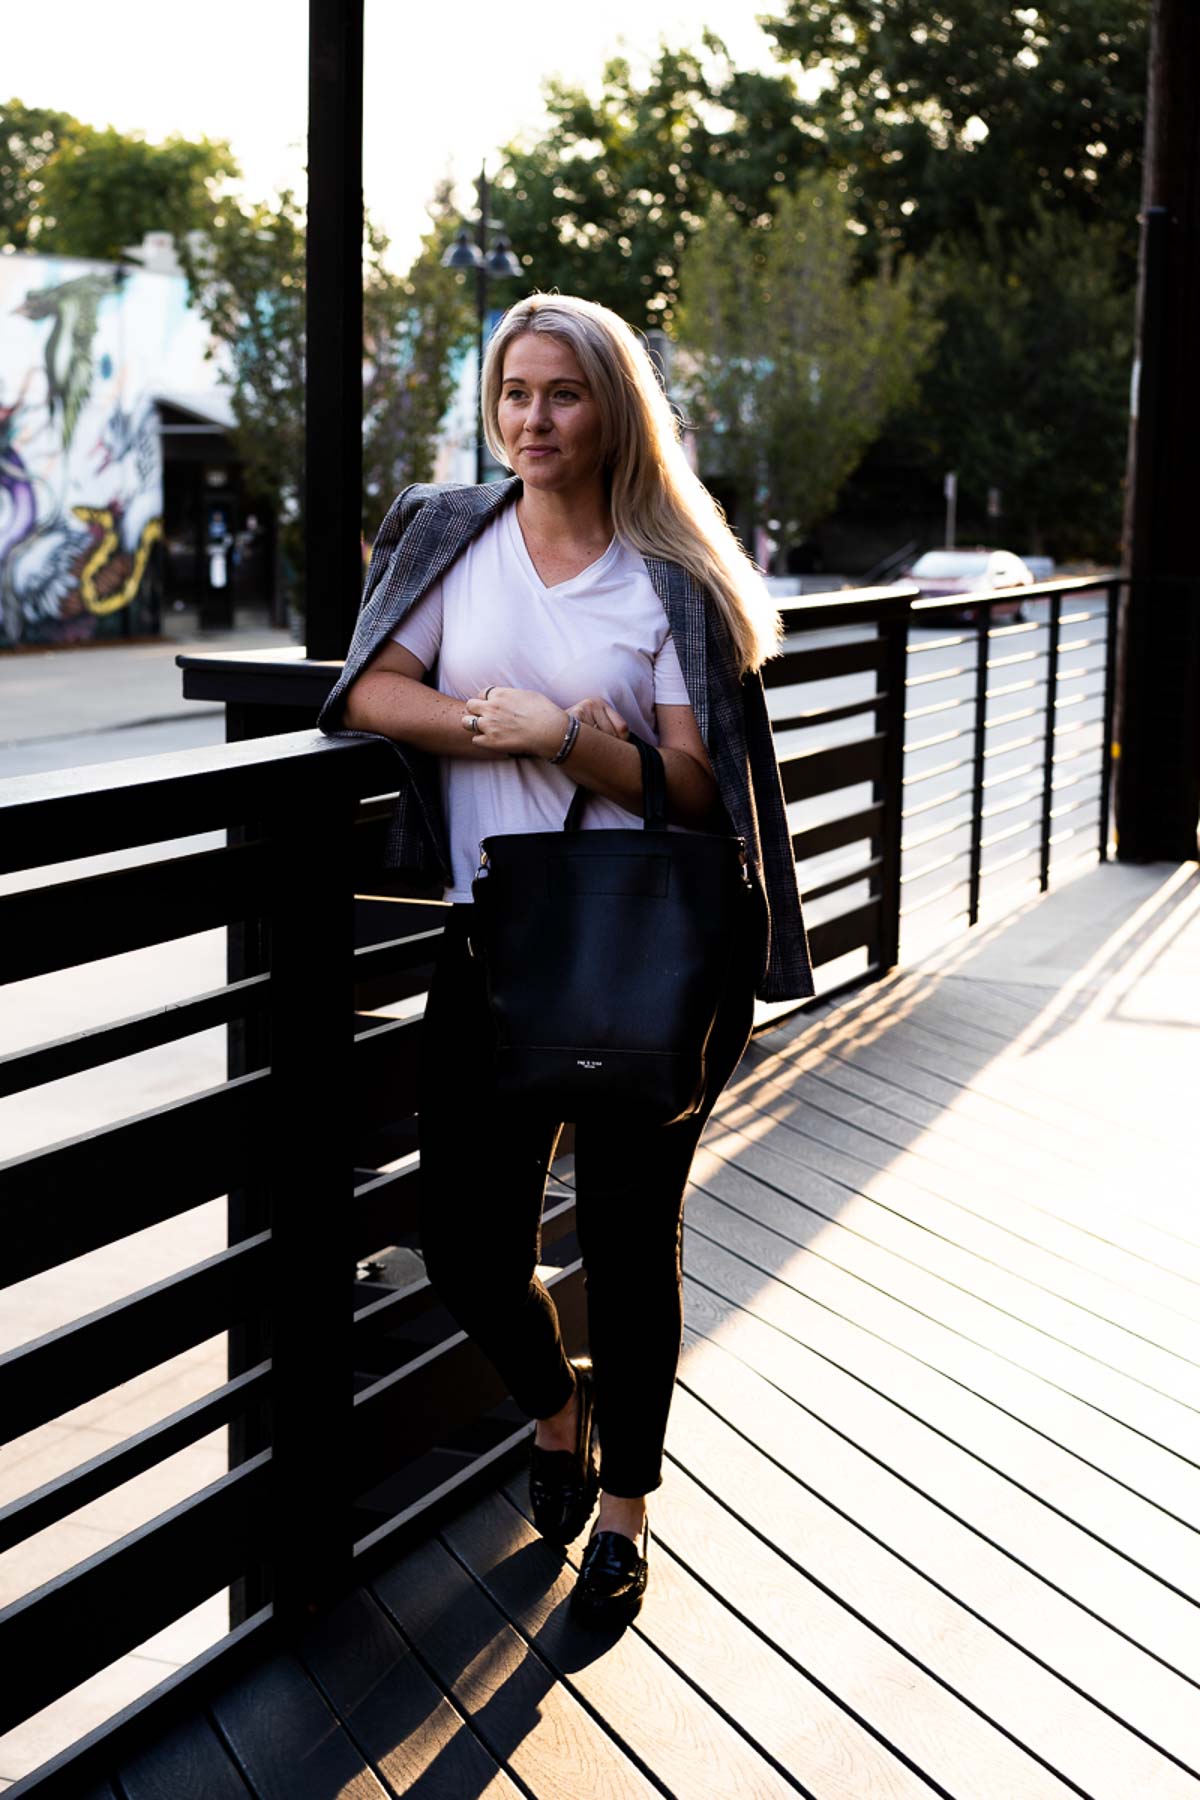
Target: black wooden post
pixel 308 1164
pixel 1048 742
pixel 333 314
pixel 890 790
pixel 1157 728
pixel 1110 701
pixel 979 743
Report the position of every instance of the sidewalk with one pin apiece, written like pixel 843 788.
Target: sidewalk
pixel 109 687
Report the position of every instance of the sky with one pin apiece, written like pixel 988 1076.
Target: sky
pixel 444 83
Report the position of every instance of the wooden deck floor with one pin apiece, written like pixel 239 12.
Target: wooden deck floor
pixel 930 1516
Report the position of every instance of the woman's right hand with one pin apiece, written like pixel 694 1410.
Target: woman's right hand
pixel 599 713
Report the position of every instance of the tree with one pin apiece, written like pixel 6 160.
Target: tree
pixel 248 280
pixel 942 115
pixel 414 327
pixel 102 190
pixel 246 277
pixel 1029 392
pixel 29 138
pixel 604 203
pixel 795 363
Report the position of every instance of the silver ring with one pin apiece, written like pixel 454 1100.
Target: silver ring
pixel 487 691
pixel 472 723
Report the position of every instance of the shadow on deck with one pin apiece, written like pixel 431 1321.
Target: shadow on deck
pixel 930 1510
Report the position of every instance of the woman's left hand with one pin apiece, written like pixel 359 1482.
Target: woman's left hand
pixel 516 721
pixel 604 717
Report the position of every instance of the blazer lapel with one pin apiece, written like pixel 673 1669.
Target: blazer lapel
pixel 440 532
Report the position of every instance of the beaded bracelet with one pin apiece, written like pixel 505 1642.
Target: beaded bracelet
pixel 568 743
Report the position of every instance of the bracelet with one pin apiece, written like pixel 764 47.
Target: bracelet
pixel 568 743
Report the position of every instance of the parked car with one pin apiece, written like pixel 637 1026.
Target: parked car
pixel 971 572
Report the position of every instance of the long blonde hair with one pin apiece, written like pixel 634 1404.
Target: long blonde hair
pixel 659 506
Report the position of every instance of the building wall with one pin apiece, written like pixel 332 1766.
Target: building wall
pixel 84 349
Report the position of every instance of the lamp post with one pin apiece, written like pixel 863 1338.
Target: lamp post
pixel 499 265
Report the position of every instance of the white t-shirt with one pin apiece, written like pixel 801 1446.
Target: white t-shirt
pixel 491 620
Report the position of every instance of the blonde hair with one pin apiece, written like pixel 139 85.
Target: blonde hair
pixel 659 506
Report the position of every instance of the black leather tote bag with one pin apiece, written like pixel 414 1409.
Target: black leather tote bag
pixel 606 956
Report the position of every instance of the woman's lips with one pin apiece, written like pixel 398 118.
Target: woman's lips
pixel 540 450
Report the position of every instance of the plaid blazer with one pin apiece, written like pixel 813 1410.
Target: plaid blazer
pixel 425 530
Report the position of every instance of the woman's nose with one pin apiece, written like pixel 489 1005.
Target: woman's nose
pixel 539 413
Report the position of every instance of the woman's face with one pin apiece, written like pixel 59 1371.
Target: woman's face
pixel 548 416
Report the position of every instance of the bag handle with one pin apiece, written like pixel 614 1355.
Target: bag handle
pixel 654 791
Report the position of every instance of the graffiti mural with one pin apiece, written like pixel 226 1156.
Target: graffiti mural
pixel 85 350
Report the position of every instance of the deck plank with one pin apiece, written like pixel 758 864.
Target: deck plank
pixel 528 1720
pixel 932 1521
pixel 396 1713
pixel 956 1663
pixel 982 1369
pixel 286 1741
pixel 878 1246
pixel 972 1208
pixel 1115 1205
pixel 666 1721
pixel 1040 1175
pixel 923 1058
pixel 1007 1498
pixel 922 1018
pixel 742 1666
pixel 188 1763
pixel 864 1389
pixel 964 1194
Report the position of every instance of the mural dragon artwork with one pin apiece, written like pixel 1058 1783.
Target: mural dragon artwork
pixel 39 558
pixel 80 449
pixel 122 590
pixel 73 306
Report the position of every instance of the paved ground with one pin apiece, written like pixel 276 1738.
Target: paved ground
pixel 62 708
pixel 929 1510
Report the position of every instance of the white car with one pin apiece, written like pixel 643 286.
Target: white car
pixel 972 572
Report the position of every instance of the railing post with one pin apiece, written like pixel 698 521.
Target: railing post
pixel 890 791
pixel 308 1167
pixel 975 876
pixel 1048 752
pixel 334 326
pixel 1107 749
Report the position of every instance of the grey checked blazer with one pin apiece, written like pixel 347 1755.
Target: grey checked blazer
pixel 426 528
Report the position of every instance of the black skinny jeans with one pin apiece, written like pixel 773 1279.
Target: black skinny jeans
pixel 483 1175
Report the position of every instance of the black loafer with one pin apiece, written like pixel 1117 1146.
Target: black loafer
pixel 612 1579
pixel 564 1484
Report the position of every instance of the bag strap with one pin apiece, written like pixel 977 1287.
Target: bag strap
pixel 654 791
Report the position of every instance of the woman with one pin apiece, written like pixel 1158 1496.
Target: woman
pixel 510 638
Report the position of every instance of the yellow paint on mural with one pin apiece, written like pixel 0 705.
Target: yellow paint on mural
pixel 110 603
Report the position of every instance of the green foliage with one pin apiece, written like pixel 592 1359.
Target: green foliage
pixel 604 203
pixel 975 106
pixel 29 138
pixel 414 326
pixel 248 281
pixel 795 362
pixel 99 191
pixel 1029 391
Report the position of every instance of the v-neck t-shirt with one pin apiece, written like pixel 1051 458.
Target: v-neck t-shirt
pixel 492 621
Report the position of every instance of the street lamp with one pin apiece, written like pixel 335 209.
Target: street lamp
pixel 499 265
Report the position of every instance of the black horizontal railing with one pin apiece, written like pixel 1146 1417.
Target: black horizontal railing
pixel 923 758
